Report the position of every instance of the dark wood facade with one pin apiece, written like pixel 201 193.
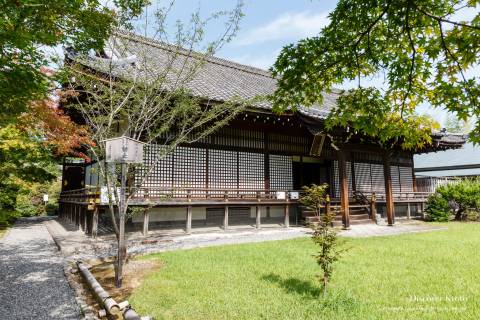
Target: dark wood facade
pixel 223 178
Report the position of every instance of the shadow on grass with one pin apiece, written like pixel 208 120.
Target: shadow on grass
pixel 294 285
pixel 333 301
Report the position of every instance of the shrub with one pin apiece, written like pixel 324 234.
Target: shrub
pixel 438 208
pixel 313 197
pixel 461 198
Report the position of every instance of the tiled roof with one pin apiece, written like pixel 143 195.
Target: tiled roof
pixel 218 79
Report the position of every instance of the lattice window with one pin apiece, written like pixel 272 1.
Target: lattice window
pixel 222 169
pixel 281 176
pixel 378 179
pixel 363 178
pixel 406 179
pixel 336 179
pixel 251 170
pixel 395 174
pixel 158 169
pixel 189 169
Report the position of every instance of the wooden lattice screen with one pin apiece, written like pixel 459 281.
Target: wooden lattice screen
pixel 251 170
pixel 336 179
pixel 158 170
pixel 281 177
pixel 189 168
pixel 222 169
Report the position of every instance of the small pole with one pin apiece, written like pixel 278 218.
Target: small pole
pixel 121 239
pixel 225 215
pixel 95 222
pixel 188 228
pixel 373 207
pixel 408 211
pixel 286 222
pixel 146 218
pixel 258 216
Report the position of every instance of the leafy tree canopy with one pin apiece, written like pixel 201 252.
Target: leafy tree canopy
pixel 453 124
pixel 28 27
pixel 420 47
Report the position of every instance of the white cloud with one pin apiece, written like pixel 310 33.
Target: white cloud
pixel 286 26
pixel 262 61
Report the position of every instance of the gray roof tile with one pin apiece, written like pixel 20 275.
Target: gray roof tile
pixel 218 79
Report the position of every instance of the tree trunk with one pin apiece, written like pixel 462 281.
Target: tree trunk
pixel 122 249
pixel 325 283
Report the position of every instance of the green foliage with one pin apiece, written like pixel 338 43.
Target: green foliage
pixel 369 114
pixel 326 238
pixel 27 27
pixel 324 235
pixel 459 198
pixel 455 125
pixel 24 163
pixel 438 209
pixel 313 197
pixel 419 47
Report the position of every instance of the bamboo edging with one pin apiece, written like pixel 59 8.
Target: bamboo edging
pixel 102 296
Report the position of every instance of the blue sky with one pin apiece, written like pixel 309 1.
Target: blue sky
pixel 269 25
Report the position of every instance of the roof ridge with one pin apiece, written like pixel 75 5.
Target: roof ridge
pixel 211 59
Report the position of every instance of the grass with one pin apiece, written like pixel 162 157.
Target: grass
pixel 430 275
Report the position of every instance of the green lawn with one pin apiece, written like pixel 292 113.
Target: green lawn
pixel 379 278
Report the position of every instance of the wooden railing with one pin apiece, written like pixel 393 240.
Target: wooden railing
pixel 408 196
pixel 172 195
pixel 166 195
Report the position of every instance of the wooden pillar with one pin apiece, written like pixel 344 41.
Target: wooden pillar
pixel 77 217
pixel 344 201
pixel 286 221
pixel 225 218
pixel 146 220
pixel 85 219
pixel 388 189
pixel 188 228
pixel 258 217
pixel 258 213
pixel 373 207
pixel 408 211
pixel 95 223
pixel 287 216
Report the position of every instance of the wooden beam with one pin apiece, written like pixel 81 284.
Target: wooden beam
pixel 146 221
pixel 388 189
pixel 344 201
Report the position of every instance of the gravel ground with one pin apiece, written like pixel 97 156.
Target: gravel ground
pixel 32 282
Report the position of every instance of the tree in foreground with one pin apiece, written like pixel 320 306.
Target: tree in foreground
pixel 423 49
pixel 34 132
pixel 324 234
pixel 138 97
pixel 29 29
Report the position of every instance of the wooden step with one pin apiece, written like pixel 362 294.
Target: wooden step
pixel 364 216
pixel 337 223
